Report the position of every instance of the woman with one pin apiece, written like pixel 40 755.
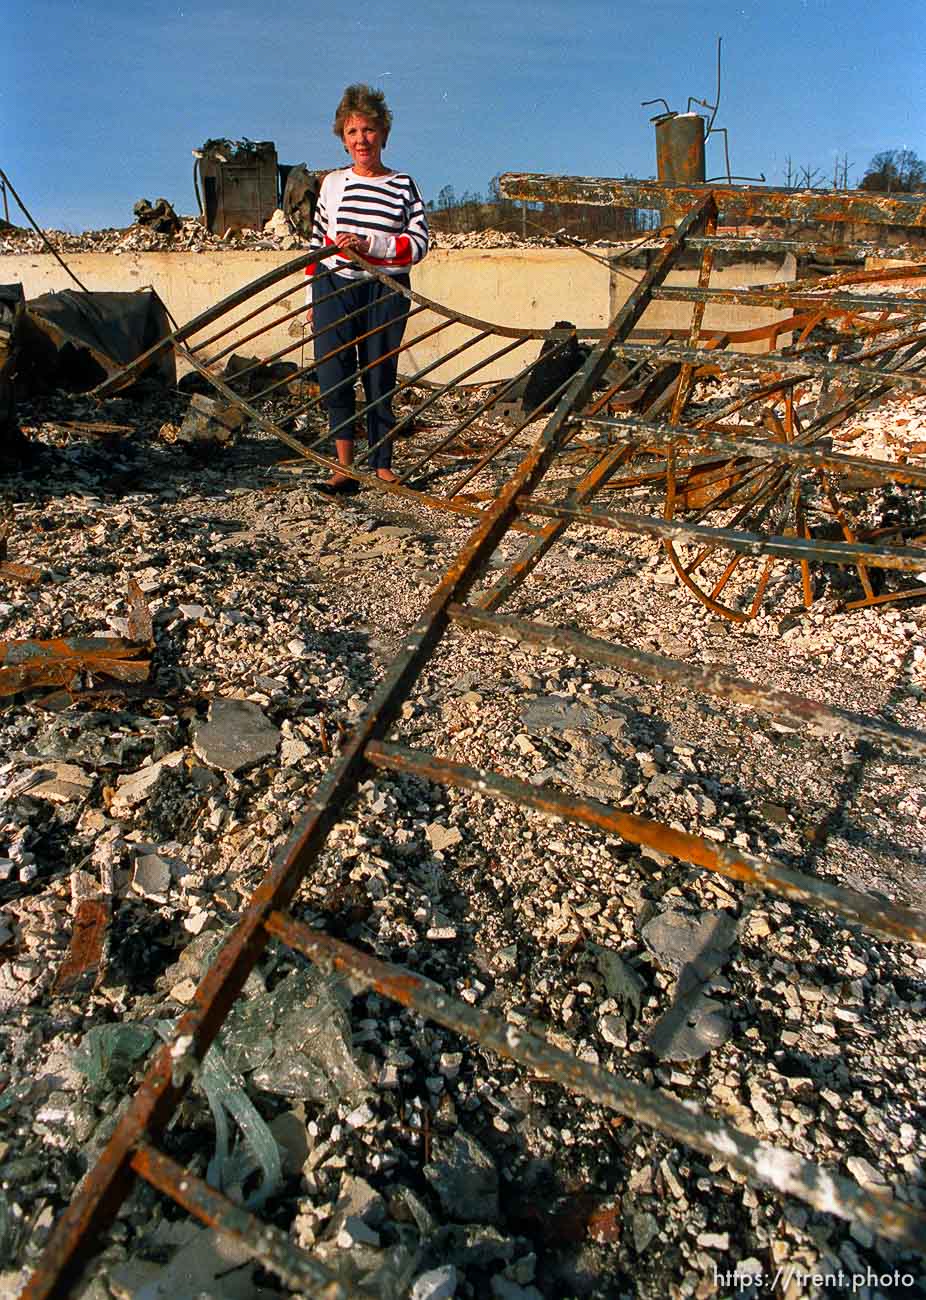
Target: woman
pixel 369 209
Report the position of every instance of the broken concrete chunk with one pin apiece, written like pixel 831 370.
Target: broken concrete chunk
pixel 442 837
pixel 691 948
pixel 134 788
pixel 208 1265
pixel 692 1027
pixel 151 877
pixel 464 1177
pixel 237 736
pixel 60 783
pixel 436 1284
pixel 622 981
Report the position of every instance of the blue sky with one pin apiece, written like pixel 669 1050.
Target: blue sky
pixel 101 103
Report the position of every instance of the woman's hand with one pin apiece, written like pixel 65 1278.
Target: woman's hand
pixel 356 243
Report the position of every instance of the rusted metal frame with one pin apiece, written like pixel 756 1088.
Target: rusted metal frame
pixel 759 449
pixel 82 965
pixel 756 509
pixel 407 419
pixel 762 297
pixel 738 204
pixel 818 428
pixel 802 248
pixel 105 1186
pixel 307 370
pixel 229 303
pixel 847 531
pixel 314 402
pixel 779 385
pixel 802 369
pixel 290 347
pixel 506 331
pixel 264 1243
pixel 28 664
pixel 758 1162
pixel 306 453
pixel 404 383
pixel 887 597
pixel 534 551
pixel 917 337
pixel 249 316
pixel 907 560
pixel 269 325
pixel 484 406
pixel 879 916
pixel 809 715
pixel 296 346
pixel 505 441
pixel 841 278
pixel 601 402
pixel 261 421
pixel 685 379
pixel 631 311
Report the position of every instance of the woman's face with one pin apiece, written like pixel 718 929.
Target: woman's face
pixel 363 139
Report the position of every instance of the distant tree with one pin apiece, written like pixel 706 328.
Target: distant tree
pixel 808 177
pixel 897 171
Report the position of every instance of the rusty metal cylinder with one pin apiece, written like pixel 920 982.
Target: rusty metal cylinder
pixel 680 148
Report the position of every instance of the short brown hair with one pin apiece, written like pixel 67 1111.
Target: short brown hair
pixel 363 101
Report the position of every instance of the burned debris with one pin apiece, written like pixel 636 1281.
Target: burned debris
pixel 344 993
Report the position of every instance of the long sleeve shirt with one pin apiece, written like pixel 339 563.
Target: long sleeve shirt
pixel 386 210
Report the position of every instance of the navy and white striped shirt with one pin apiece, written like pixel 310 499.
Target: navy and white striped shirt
pixel 386 210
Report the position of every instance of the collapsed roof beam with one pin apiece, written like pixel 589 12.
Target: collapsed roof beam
pixel 736 203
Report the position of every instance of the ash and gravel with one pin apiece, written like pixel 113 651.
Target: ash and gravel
pixel 406 1153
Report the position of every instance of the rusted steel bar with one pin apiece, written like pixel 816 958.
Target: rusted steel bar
pixel 810 715
pixel 729 440
pixel 735 203
pixel 685 379
pixel 294 346
pixel 24 575
pixel 307 453
pixel 533 553
pixel 82 965
pixel 831 304
pixel 800 247
pixel 485 405
pixel 505 441
pixel 908 559
pixel 759 1162
pixel 805 368
pixel 229 303
pixel 886 919
pixel 27 664
pixel 263 1242
pixel 406 420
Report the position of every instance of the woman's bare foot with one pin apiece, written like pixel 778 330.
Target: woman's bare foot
pixel 387 476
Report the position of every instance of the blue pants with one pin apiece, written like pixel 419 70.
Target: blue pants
pixel 378 306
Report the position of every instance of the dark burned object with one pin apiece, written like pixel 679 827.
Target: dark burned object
pixel 158 216
pixel 556 366
pixel 300 196
pixel 237 184
pixel 76 665
pixel 76 340
pixel 15 449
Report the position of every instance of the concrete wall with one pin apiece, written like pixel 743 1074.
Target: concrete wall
pixel 526 287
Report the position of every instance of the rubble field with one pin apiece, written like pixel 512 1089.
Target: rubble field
pixel 385 1146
